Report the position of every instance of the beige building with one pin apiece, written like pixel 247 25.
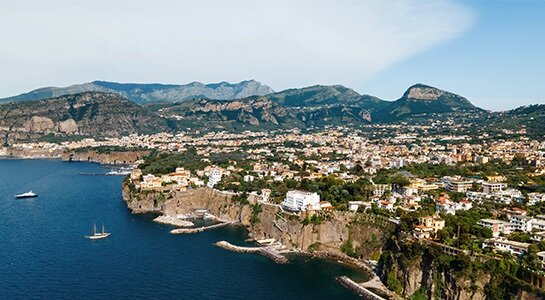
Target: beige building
pixel 428 225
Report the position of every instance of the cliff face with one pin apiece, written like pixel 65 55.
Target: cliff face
pixel 334 229
pixel 88 114
pixel 411 268
pixel 408 268
pixel 110 158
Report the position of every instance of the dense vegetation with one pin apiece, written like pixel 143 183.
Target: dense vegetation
pixel 507 276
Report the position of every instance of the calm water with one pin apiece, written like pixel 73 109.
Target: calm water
pixel 43 254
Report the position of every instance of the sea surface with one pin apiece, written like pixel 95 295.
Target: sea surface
pixel 44 255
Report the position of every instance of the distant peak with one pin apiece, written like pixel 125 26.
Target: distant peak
pixel 421 91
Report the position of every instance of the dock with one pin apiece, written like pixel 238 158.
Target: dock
pixel 174 221
pixel 268 252
pixel 199 229
pixel 358 289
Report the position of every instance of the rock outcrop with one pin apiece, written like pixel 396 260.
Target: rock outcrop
pixel 38 124
pixel 106 157
pixel 333 230
pixel 88 114
pixel 68 126
pixel 411 268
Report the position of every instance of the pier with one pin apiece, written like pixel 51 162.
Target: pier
pixel 358 289
pixel 174 221
pixel 199 229
pixel 268 252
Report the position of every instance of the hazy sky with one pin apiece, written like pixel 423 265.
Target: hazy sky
pixel 489 51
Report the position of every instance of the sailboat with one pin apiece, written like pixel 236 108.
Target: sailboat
pixel 98 235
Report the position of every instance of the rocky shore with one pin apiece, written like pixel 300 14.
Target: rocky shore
pixel 106 158
pixel 289 231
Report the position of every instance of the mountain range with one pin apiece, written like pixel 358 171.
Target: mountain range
pixel 315 106
pixel 152 93
pixel 113 109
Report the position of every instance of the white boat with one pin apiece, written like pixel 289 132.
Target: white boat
pixel 98 235
pixel 26 195
pixel 118 173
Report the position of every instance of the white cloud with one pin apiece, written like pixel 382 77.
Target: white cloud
pixel 281 43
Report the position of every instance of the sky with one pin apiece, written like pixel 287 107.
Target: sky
pixel 491 52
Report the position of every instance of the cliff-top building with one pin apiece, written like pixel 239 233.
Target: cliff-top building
pixel 301 201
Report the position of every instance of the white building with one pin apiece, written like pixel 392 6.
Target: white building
pixel 493 187
pixel 534 198
pixel 214 177
pixel 522 223
pixel 355 205
pixel 504 245
pixel 301 201
pixel 380 189
pixel 459 186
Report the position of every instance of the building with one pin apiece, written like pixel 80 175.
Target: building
pixel 497 226
pixel 355 205
pixel 428 225
pixel 380 189
pixel 459 186
pixel 214 177
pixel 493 187
pixel 387 205
pixel 541 256
pixel 265 195
pixel 150 182
pixel 534 198
pixel 505 245
pixel 301 201
pixel 496 178
pixel 326 205
pixel 522 223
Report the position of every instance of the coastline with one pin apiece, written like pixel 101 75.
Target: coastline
pixel 372 288
pixel 114 158
pixel 338 258
pixel 220 204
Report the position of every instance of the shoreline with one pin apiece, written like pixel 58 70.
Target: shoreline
pixel 59 158
pixel 379 290
pixel 337 258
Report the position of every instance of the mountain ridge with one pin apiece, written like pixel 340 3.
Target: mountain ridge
pixel 94 114
pixel 317 105
pixel 143 93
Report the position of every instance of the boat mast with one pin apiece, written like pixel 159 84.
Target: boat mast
pixel 94 228
pixel 102 228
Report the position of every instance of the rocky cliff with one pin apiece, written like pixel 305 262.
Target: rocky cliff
pixel 87 114
pixel 411 269
pixel 108 157
pixel 328 232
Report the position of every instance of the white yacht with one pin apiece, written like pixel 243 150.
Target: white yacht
pixel 26 195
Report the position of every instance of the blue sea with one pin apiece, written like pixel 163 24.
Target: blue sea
pixel 44 255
